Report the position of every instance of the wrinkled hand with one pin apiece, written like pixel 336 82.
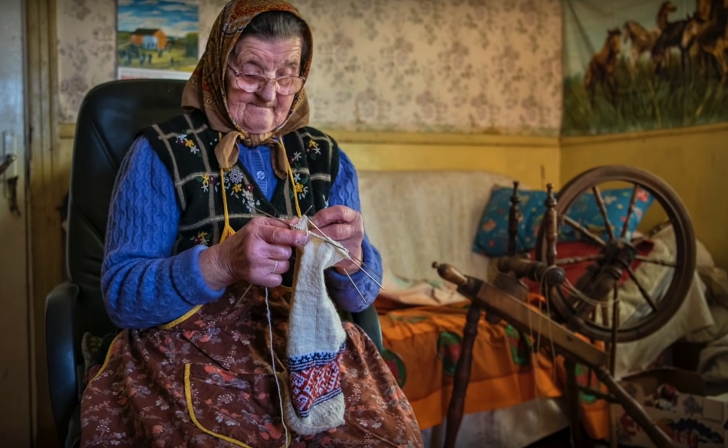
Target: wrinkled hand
pixel 258 253
pixel 346 226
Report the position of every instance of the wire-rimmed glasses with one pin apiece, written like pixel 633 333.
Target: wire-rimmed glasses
pixel 251 82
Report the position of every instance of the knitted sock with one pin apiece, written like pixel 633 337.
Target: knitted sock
pixel 316 338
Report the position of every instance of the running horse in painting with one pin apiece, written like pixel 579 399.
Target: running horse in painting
pixel 706 35
pixel 641 39
pixel 603 66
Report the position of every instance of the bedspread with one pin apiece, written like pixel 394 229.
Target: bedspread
pixel 422 346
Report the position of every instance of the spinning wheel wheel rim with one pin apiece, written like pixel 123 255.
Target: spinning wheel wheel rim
pixel 682 274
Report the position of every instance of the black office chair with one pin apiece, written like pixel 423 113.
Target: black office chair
pixel 110 117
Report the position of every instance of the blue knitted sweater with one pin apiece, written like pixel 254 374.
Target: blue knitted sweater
pixel 144 285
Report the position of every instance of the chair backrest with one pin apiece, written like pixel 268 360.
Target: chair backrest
pixel 110 118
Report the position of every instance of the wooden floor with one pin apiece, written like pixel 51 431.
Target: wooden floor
pixel 562 440
pixel 558 440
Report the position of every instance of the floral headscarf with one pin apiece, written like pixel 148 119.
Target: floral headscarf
pixel 206 88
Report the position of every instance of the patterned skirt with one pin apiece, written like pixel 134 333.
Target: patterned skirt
pixel 208 380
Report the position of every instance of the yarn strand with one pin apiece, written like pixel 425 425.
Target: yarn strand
pixel 273 366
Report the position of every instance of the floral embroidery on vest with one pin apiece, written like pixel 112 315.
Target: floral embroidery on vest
pixel 186 145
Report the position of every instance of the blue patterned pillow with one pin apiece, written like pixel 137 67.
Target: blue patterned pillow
pixel 492 236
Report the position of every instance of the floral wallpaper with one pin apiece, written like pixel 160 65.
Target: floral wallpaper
pixel 464 66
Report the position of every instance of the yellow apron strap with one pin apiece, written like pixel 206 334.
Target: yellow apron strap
pixel 290 175
pixel 227 230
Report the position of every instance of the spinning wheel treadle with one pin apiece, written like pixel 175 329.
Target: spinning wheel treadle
pixel 578 309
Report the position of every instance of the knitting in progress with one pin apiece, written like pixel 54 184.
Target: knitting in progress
pixel 314 400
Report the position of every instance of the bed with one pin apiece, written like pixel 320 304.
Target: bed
pixel 415 218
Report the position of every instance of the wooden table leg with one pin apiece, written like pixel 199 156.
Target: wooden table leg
pixel 436 436
pixel 574 409
pixel 462 376
pixel 635 410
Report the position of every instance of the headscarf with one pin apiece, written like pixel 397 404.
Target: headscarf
pixel 205 90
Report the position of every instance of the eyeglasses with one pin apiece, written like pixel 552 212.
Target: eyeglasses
pixel 251 83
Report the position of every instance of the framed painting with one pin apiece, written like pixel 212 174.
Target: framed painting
pixel 157 38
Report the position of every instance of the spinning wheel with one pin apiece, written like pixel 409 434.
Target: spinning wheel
pixel 591 305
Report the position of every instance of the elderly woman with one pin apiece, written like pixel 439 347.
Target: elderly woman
pixel 233 229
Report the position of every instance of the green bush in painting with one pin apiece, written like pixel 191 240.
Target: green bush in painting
pixel 644 100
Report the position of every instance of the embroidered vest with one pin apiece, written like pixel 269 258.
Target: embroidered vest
pixel 186 146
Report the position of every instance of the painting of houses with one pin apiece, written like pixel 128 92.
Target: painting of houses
pixel 157 38
pixel 149 38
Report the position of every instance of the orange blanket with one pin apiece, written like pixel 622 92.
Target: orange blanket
pixel 422 346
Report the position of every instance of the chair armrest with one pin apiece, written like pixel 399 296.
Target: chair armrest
pixel 60 354
pixel 368 320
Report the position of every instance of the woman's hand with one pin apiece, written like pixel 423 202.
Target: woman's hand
pixel 346 226
pixel 257 253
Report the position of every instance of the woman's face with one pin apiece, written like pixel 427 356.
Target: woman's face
pixel 262 111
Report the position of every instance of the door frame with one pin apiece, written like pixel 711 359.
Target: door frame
pixel 48 174
pixel 16 334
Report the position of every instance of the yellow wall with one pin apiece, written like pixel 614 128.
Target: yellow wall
pixel 693 161
pixel 533 160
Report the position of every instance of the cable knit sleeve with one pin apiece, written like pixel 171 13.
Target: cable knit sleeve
pixel 143 285
pixel 345 191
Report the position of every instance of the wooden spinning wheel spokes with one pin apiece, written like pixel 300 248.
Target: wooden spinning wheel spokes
pixel 591 306
pixel 581 306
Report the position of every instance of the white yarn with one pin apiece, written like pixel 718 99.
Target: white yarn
pixel 314 326
pixel 273 364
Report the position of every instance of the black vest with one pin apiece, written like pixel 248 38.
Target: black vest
pixel 186 146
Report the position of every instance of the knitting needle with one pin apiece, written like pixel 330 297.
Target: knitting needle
pixel 274 217
pixel 363 270
pixel 355 287
pixel 351 257
pixel 243 296
pixel 348 254
pixel 360 264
